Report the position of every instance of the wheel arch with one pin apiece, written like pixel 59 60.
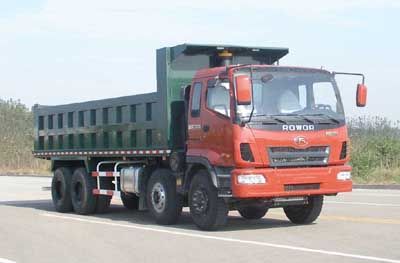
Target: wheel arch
pixel 195 164
pixel 71 164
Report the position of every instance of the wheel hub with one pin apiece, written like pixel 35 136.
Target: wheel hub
pixel 158 197
pixel 200 201
pixel 58 190
pixel 78 189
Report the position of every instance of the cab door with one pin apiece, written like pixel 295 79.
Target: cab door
pixel 216 124
pixel 194 146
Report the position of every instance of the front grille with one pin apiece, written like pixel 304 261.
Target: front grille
pixel 292 157
pixel 298 187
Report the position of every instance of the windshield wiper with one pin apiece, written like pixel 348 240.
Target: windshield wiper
pixel 286 114
pixel 325 115
pixel 278 119
pixel 307 119
pixel 292 115
pixel 296 115
pixel 269 117
pixel 273 117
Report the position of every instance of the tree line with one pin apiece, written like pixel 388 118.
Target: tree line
pixel 375 145
pixel 16 139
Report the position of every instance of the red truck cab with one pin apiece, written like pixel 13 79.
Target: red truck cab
pixel 281 130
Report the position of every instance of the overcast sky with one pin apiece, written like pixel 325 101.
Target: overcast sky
pixel 62 51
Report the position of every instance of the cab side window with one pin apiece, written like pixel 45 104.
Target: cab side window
pixel 195 109
pixel 218 98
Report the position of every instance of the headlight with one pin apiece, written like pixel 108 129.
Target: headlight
pixel 251 179
pixel 344 176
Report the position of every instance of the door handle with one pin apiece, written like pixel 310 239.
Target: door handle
pixel 206 128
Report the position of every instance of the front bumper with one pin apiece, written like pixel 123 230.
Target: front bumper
pixel 279 182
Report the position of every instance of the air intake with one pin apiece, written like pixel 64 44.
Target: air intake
pixel 246 153
pixel 343 152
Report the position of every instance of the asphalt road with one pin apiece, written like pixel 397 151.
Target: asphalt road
pixel 363 226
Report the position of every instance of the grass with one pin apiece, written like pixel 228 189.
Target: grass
pixel 375 146
pixel 375 150
pixel 380 176
pixel 16 141
pixel 26 171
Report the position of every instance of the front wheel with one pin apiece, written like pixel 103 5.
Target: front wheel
pixel 305 214
pixel 253 212
pixel 208 211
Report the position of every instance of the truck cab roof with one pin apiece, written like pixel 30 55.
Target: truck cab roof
pixel 210 72
pixel 263 55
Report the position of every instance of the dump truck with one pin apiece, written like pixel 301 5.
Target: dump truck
pixel 228 128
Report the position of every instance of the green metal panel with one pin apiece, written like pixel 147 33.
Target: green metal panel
pixel 118 122
pixel 85 124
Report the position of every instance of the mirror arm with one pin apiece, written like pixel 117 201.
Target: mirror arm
pixel 252 97
pixel 352 74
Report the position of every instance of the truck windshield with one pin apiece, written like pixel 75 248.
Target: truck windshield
pixel 284 92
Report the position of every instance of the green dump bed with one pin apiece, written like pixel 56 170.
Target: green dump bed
pixel 138 124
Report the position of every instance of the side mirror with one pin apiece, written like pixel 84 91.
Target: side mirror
pixel 243 90
pixel 361 98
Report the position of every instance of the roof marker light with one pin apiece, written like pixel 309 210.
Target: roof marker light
pixel 225 54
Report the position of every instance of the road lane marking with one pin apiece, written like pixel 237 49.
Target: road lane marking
pixel 226 239
pixel 373 194
pixel 3 260
pixel 383 221
pixel 362 219
pixel 362 203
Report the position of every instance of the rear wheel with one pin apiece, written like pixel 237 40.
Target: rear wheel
pixel 83 200
pixel 253 212
pixel 104 201
pixel 208 211
pixel 130 201
pixel 164 203
pixel 305 214
pixel 60 190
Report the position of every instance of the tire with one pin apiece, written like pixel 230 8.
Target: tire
pixel 208 211
pixel 82 185
pixel 305 214
pixel 253 212
pixel 164 203
pixel 60 190
pixel 130 201
pixel 104 201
